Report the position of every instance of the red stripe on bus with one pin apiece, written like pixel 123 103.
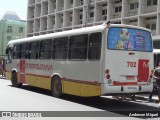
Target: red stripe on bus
pixel 116 83
pixel 71 80
pixel 39 75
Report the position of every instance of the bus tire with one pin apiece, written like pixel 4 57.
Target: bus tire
pixel 14 80
pixel 56 87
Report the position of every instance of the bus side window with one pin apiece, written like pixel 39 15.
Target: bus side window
pixel 9 55
pixel 23 50
pixel 60 48
pixel 78 47
pixel 15 51
pixel 34 50
pixel 29 51
pixel 45 49
pixel 94 52
pixel 18 51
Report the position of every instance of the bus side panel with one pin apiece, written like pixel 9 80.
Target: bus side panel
pixel 72 88
pixel 90 90
pixel 8 75
pixel 39 81
pixel 81 89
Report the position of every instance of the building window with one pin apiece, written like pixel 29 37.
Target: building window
pixel 151 26
pixel 81 2
pixel 9 38
pixel 117 22
pixel 118 1
pixel 151 2
pixel 70 19
pixel 71 1
pixel 156 44
pixel 118 9
pixel 151 18
pixel 91 15
pixel 131 21
pixel 104 5
pixel 154 2
pixel 133 6
pixel 148 26
pixel 81 16
pixel 148 2
pixel 9 30
pixel 21 29
pixel 104 12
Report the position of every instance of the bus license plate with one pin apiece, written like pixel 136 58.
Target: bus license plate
pixel 132 88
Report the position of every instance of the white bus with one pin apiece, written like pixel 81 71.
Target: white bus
pixel 94 61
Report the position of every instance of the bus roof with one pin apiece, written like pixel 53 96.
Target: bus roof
pixel 98 28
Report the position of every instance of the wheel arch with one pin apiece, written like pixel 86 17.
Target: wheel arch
pixel 53 80
pixel 14 70
pixel 55 75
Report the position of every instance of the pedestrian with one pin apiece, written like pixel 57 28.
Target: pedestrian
pixel 153 92
pixel 156 76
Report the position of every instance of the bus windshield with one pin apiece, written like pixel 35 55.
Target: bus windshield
pixel 129 39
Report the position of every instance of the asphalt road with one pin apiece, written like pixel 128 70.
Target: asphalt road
pixel 30 98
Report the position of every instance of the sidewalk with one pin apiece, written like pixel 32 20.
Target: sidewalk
pixel 145 97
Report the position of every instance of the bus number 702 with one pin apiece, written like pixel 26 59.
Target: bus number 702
pixel 131 64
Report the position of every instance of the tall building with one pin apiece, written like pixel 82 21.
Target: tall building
pixel 49 16
pixel 11 27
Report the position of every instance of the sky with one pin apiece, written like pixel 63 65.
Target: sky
pixel 18 6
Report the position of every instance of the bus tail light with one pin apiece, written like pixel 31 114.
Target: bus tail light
pixel 109 81
pixel 108 76
pixel 107 71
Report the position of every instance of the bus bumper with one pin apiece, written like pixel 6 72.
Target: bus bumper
pixel 138 89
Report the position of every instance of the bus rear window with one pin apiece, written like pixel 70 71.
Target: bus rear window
pixel 129 39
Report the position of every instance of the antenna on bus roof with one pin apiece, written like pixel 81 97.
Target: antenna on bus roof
pixel 107 22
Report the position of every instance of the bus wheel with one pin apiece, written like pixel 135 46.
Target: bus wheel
pixel 56 86
pixel 14 80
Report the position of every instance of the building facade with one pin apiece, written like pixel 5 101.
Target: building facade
pixel 49 16
pixel 11 27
